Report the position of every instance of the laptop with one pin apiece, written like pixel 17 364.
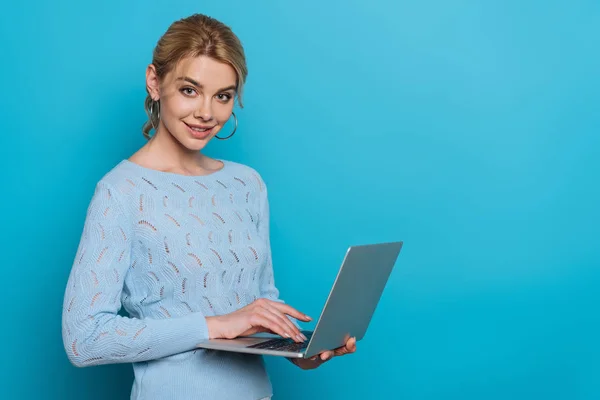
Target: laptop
pixel 347 312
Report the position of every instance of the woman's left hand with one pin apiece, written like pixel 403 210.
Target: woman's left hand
pixel 319 359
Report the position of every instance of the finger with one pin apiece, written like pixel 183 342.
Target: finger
pixel 280 322
pixel 326 355
pixel 283 317
pixel 281 307
pixel 351 345
pixel 263 319
pixel 340 351
pixel 286 309
pixel 292 330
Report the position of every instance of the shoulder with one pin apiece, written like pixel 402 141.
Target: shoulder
pixel 247 173
pixel 235 166
pixel 115 178
pixel 106 196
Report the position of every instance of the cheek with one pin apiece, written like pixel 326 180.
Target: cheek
pixel 179 106
pixel 223 112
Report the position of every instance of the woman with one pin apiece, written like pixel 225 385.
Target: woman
pixel 180 240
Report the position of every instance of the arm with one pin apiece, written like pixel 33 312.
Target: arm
pixel 268 289
pixel 92 331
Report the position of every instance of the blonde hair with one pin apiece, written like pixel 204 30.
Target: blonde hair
pixel 196 35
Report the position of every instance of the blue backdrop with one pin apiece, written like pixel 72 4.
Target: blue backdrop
pixel 467 129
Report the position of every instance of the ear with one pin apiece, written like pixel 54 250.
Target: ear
pixel 152 82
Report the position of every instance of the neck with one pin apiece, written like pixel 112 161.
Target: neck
pixel 167 153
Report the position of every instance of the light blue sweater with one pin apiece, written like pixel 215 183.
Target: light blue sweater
pixel 171 250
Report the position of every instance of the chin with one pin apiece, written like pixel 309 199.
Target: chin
pixel 191 143
pixel 195 144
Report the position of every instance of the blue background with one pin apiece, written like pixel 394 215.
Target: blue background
pixel 467 129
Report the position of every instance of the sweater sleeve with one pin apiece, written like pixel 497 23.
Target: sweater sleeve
pixel 93 332
pixel 268 289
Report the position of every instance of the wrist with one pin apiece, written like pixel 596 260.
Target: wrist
pixel 214 327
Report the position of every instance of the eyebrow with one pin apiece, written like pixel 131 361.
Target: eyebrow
pixel 195 83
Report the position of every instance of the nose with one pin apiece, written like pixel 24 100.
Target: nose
pixel 204 110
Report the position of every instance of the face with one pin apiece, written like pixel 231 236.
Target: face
pixel 196 99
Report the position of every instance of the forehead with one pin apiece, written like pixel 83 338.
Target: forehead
pixel 206 71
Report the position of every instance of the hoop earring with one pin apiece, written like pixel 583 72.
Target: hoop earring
pixel 234 128
pixel 157 112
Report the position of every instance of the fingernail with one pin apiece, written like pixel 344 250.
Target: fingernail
pixel 304 337
pixel 299 338
pixel 307 316
pixel 287 335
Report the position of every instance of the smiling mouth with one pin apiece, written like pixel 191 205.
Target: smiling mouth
pixel 200 129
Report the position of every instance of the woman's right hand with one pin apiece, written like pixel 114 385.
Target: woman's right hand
pixel 262 315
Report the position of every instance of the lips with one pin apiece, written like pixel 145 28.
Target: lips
pixel 200 131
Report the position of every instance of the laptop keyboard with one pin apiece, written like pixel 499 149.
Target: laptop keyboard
pixel 281 344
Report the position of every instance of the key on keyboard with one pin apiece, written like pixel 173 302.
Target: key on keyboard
pixel 282 344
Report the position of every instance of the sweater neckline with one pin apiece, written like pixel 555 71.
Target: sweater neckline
pixel 157 172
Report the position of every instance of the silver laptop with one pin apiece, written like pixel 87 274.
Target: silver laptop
pixel 347 311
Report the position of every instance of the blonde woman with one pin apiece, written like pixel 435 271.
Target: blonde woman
pixel 180 241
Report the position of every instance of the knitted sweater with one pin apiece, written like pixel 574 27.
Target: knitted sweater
pixel 170 250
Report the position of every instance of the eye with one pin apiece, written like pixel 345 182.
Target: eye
pixel 224 97
pixel 188 91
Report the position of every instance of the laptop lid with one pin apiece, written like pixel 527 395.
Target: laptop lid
pixel 354 295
